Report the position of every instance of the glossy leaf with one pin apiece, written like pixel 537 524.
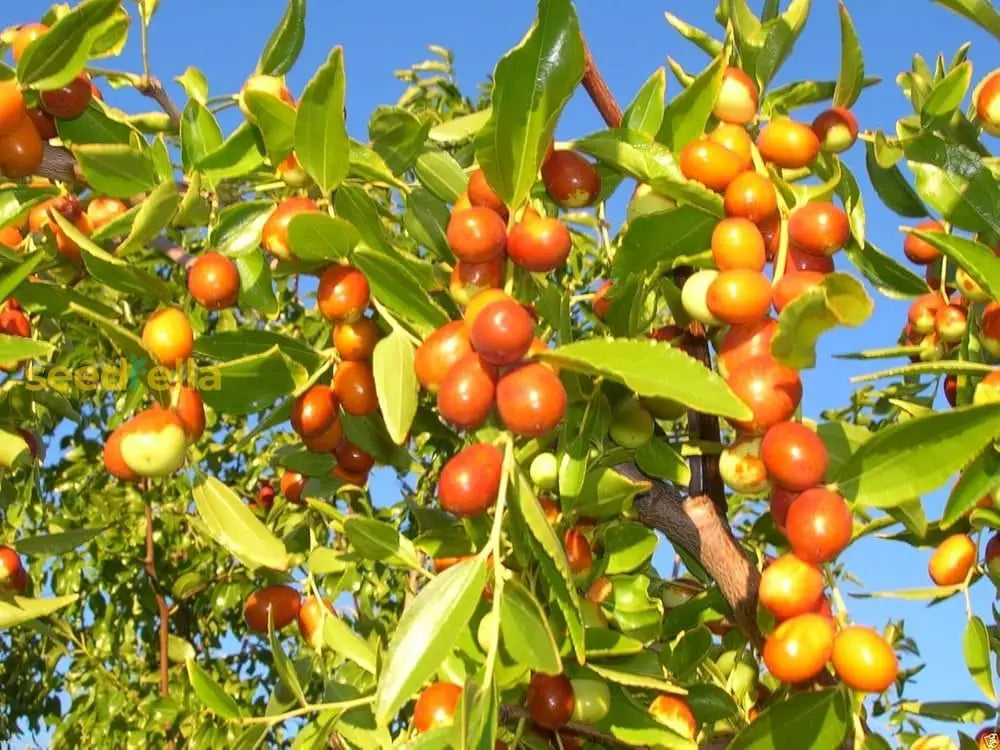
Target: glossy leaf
pixel 977 479
pixel 341 639
pixel 690 651
pixel 227 346
pixel 819 719
pixel 977 259
pixel 838 300
pixel 947 94
pixel 607 493
pixel 154 214
pixel 285 44
pixel 398 136
pixel 531 85
pixel 116 169
pixel 851 79
pixel 441 174
pixel 964 712
pixel 427 632
pixel 256 287
pixel 238 155
pixel 889 277
pixel 276 121
pixel 318 236
pixel 392 284
pixel 687 114
pixel 783 99
pixel 653 370
pixel 459 129
pixel 239 227
pixel 606 642
pixel 58 56
pixel 632 724
pixel 892 187
pixel 841 439
pixel 321 142
pixel 19 609
pixel 93 126
pixel 627 546
pixel 12 279
pixel 711 703
pixel 282 664
pixel 15 348
pixel 378 540
pixel 211 693
pixel 426 220
pixel 660 459
pixel 911 458
pixel 645 113
pixel 976 646
pixel 254 383
pixel 235 527
pixel 981 12
pixel 200 134
pixel 525 630
pixel 701 39
pixel 396 384
pixel 663 237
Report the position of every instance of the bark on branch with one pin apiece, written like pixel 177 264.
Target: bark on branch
pixel 153 88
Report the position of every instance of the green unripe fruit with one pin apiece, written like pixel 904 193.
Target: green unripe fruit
pixel 664 408
pixel 592 701
pixel 631 426
pixel 486 632
pixel 544 471
pixel 694 297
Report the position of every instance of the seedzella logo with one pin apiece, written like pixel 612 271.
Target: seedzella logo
pixel 125 374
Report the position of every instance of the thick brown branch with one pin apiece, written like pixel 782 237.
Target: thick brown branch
pixel 177 254
pixel 599 92
pixel 152 88
pixel 58 164
pixel 161 603
pixel 695 525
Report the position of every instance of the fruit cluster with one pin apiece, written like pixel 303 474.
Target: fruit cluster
pixel 281 604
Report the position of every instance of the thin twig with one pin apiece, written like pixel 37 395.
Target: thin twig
pixel 161 602
pixel 152 88
pixel 314 708
pixel 508 713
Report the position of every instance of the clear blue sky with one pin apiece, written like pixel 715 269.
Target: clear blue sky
pixel 629 40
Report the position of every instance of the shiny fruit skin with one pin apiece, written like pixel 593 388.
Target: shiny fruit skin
pixel 214 281
pixel 68 102
pixel 739 296
pixel 793 285
pixel 819 228
pixel 64 245
pixel 356 341
pixel 751 196
pixel 327 440
pixel 357 478
pixel 168 336
pixel 439 351
pixel 737 244
pixel 742 469
pixel 14 322
pixel 544 471
pixel 712 165
pixel 476 234
pixel 503 332
pixel 531 400
pixel 836 128
pixel 343 293
pixel 10 236
pixel 952 560
pixel 113 461
pixel 469 279
pixel 283 602
pixel 771 390
pixel 781 500
pixel 741 343
pixel 153 443
pixel 951 323
pixel 797 260
pixel 989 328
pixel 314 411
pixel 790 587
pixel 578 552
pixel 470 480
pixel 923 313
pixel 736 139
pixel 354 384
pixel 265 497
pixel 632 426
pixel 12 109
pixel 351 458
pixel 738 98
pixel 987 104
pixel 481 194
pixel 570 180
pixel 694 296
pixel 292 485
pixel 799 648
pixel 864 660
pixel 20 150
pixel 266 84
pixel 788 144
pixel 601 303
pixel 550 700
pixel 467 392
pixel 674 712
pixel 274 236
pixel 189 406
pixel 592 700
pixel 12 574
pixel 480 302
pixel 436 706
pixel 920 251
pixel 818 525
pixel 539 245
pixel 292 173
pixel 25 35
pixel 102 211
pixel 311 617
pixel 794 455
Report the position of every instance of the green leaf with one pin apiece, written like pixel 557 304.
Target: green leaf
pixel 687 114
pixel 238 155
pixel 211 693
pixel 701 39
pixel 776 39
pixel 981 12
pixel 277 122
pixel 606 642
pixel 652 369
pixel 282 664
pixel 851 79
pixel 10 281
pixel 235 527
pixel 651 163
pixel 123 338
pixel 642 670
pixel 378 540
pixel 632 724
pixel 367 165
pixel 690 651
pixel 976 646
pixel 427 632
pixel 231 345
pixel 339 638
pixel 662 237
pixel 178 649
pixel 318 236
pixel 976 480
pixel 911 458
pixel 895 192
pixel 19 609
pixel 839 300
pixel 16 348
pixel 459 129
pixel 321 143
pixel 155 213
pixel 885 274
pixel 398 136
pixel 256 288
pixel 783 99
pixel 393 285
pixel 841 440
pixel 947 94
pixel 396 384
pixel 531 85
pixel 660 459
pixel 93 126
pixel 526 633
pixel 977 259
pixel 14 450
pixel 426 220
pixel 194 83
pixel 117 170
pixel 239 227
pixel 285 44
pixel 304 461
pixel 964 712
pixel 817 720
pixel 645 113
pixel 251 384
pixel 200 134
pixel 58 56
pixel 710 703
pixel 628 546
pixel 370 435
pixel 441 174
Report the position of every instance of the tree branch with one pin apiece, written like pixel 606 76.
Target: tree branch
pixel 152 88
pixel 508 713
pixel 161 602
pixel 58 164
pixel 599 92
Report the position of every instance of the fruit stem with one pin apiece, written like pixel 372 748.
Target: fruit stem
pixel 310 709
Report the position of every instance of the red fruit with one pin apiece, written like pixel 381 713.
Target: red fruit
pixel 674 712
pixel 571 180
pixel 439 352
pixel 788 144
pixel 153 442
pixel 113 460
pixel 578 552
pixel 819 228
pixel 354 384
pixel 951 390
pixel 539 244
pixel 168 336
pixel 793 285
pixel 819 525
pixel 467 392
pixel 351 458
pixel 70 101
pixel 15 323
pixel 349 477
pixel 836 129
pixel 736 139
pixel 343 293
pixel 265 497
pixel 799 648
pixel 356 341
pixel 481 194
pixel 292 485
pixel 213 281
pixel 738 98
pixel 502 332
pixel 470 481
pixel 314 411
pixel 920 251
pixel 274 236
pixel 739 296
pixel 952 560
pixel 951 323
pixel 476 234
pixel 601 303
pixel 737 244
pixel 13 576
pixel 478 303
pixel 987 104
pixel 794 455
pixel 781 501
pixel 771 390
pixel 864 660
pixel 102 211
pixel 436 706
pixel 10 236
pixel 189 407
pixel 923 312
pixel 469 279
pixel 712 165
pixel 790 587
pixel 283 602
pixel 744 342
pixel 21 150
pixel 550 700
pixel 531 400
pixel 797 260
pixel 310 619
pixel 326 441
pixel 12 109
